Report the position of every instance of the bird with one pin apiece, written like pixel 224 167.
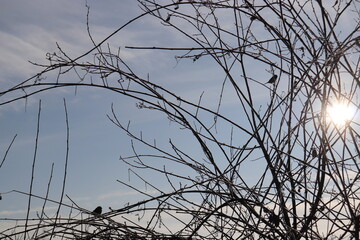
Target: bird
pixel 97 210
pixel 314 153
pixel 272 79
pixel 168 18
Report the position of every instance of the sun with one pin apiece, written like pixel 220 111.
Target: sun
pixel 340 113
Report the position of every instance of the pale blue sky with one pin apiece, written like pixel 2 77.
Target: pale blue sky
pixel 27 31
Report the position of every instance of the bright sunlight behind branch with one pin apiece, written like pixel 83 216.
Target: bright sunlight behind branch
pixel 340 113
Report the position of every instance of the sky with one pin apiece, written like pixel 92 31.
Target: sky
pixel 29 30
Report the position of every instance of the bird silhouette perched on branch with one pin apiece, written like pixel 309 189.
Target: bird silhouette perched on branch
pixel 272 79
pixel 97 211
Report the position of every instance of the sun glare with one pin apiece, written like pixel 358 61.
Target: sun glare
pixel 340 113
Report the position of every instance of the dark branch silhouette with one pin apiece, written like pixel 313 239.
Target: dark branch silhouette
pixel 306 171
